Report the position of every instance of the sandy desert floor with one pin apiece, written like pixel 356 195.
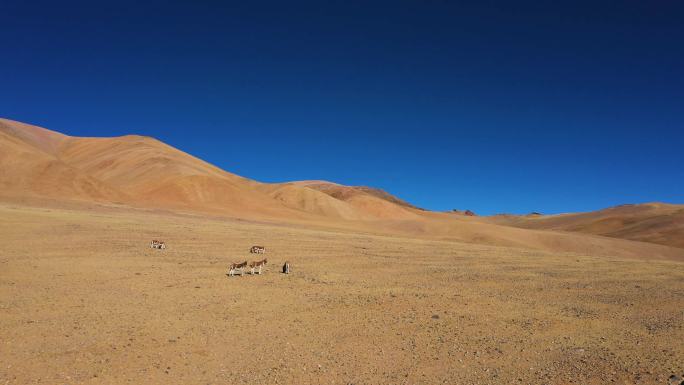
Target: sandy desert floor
pixel 83 299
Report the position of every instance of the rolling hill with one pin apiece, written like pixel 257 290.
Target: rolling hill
pixel 660 223
pixel 30 166
pixel 144 173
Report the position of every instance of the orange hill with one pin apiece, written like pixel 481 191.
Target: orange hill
pixel 142 172
pixel 649 222
pixel 30 166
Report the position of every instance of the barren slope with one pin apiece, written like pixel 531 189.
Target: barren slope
pixel 162 176
pixel 376 202
pixel 143 172
pixel 29 167
pixel 36 162
pixel 650 222
pixel 312 201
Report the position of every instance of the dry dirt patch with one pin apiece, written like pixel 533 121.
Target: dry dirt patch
pixel 84 300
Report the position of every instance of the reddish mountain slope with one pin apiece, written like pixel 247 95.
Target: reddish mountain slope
pixel 143 172
pixel 30 167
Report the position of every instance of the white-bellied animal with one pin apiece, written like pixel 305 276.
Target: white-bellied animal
pixel 286 268
pixel 257 250
pixel 235 267
pixel 257 265
pixel 155 244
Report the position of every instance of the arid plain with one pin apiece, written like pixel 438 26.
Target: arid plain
pixel 85 300
pixel 381 291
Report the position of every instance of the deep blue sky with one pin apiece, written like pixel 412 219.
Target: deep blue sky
pixel 493 106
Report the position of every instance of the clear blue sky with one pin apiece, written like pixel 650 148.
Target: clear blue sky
pixel 493 106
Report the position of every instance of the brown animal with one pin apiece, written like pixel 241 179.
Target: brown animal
pixel 234 267
pixel 257 265
pixel 257 250
pixel 286 268
pixel 155 244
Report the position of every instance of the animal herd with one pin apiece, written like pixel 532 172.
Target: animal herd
pixel 254 266
pixel 237 268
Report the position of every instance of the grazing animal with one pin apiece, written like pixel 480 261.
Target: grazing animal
pixel 257 250
pixel 286 268
pixel 155 244
pixel 257 265
pixel 234 267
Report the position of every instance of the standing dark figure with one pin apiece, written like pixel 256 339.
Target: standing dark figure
pixel 286 268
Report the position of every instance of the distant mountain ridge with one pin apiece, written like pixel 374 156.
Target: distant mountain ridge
pixel 655 222
pixel 142 172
